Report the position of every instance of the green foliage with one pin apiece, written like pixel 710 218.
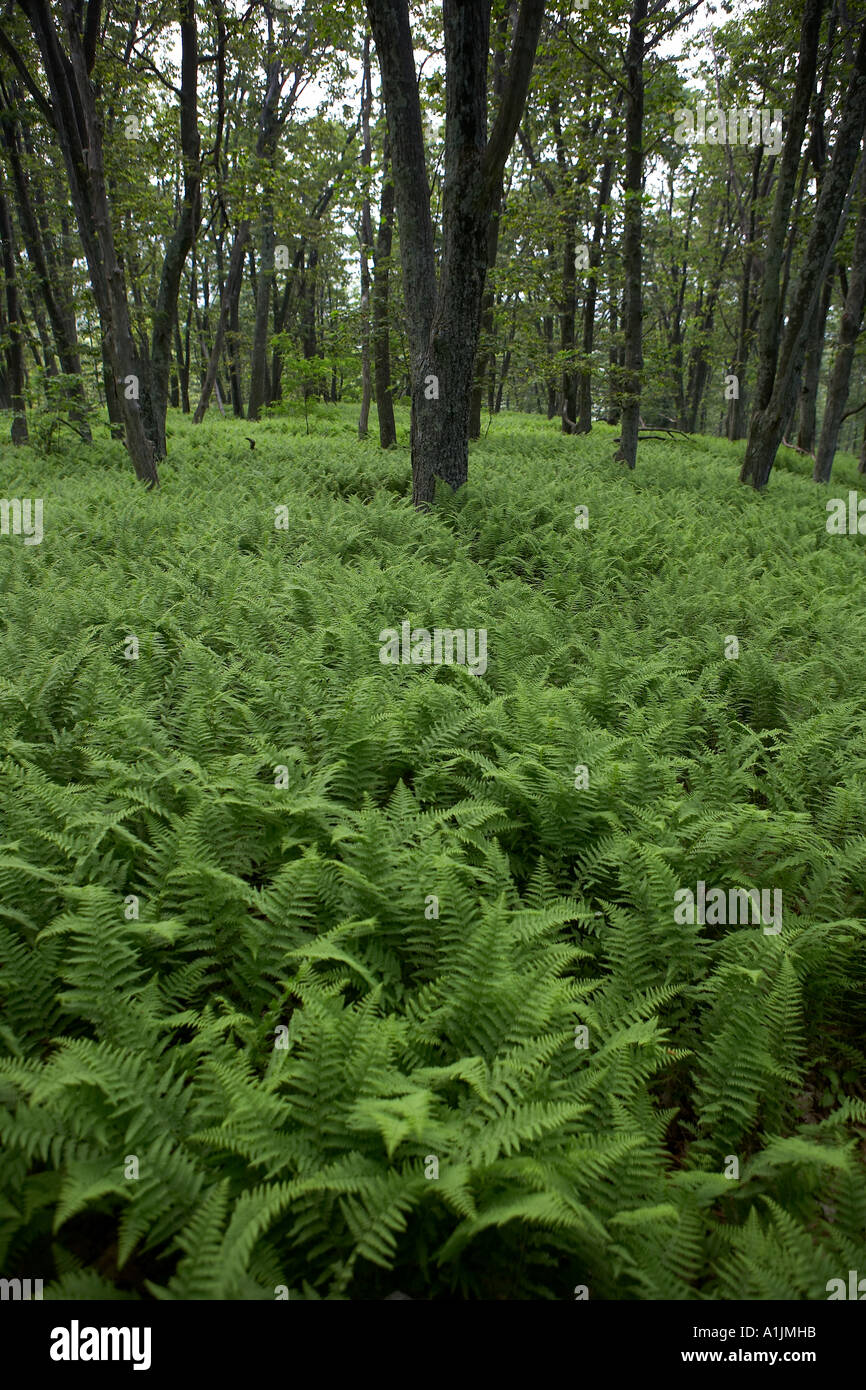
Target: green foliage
pixel 58 403
pixel 282 1040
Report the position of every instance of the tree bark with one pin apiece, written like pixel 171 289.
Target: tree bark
pixel 62 321
pixel 762 428
pixel 76 121
pixel 443 324
pixel 849 329
pixel 633 237
pixel 14 350
pixel 780 387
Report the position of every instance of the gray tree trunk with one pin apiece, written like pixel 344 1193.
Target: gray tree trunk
pixel 633 237
pixel 849 329
pixel 763 427
pixel 443 322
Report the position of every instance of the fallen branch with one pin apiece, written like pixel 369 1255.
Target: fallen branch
pixel 798 450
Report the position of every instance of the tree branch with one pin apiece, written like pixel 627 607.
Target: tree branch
pixel 8 47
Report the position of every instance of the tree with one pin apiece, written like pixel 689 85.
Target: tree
pixel 443 320
pixel 73 113
pixel 782 352
pixel 849 328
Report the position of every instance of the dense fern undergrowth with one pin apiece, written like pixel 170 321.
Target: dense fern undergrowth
pixel 249 1088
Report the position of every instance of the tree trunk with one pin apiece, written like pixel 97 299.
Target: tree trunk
pixel 583 418
pixel 236 266
pixel 767 422
pixel 812 370
pixel 264 280
pixel 443 324
pixel 552 387
pixel 633 237
pixel 381 330
pixel 62 322
pixel 762 428
pixel 184 232
pixel 14 350
pixel 735 424
pixel 79 135
pixel 366 245
pixel 568 301
pixel 849 329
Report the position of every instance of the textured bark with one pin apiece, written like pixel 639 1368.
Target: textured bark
pixel 78 127
pixel 47 271
pixel 762 428
pixel 767 424
pixel 849 329
pixel 443 323
pixel 633 237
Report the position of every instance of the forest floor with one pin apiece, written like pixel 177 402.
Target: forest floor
pixel 337 976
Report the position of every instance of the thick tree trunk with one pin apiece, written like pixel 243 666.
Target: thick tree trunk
pixel 849 329
pixel 443 325
pixel 762 427
pixel 767 423
pixel 633 237
pixel 79 135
